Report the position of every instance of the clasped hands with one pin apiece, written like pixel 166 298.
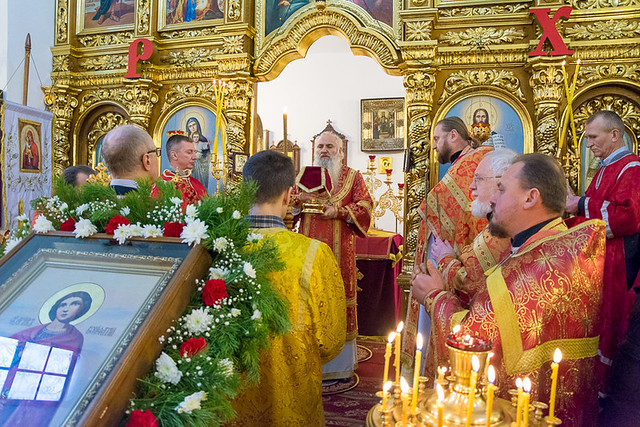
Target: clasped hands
pixel 572 202
pixel 426 279
pixel 330 212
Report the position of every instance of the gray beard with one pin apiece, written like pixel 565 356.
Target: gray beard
pixel 332 165
pixel 479 209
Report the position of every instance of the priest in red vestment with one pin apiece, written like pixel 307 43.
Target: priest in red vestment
pixel 613 196
pixel 182 155
pixel 347 214
pixel 446 212
pixel 545 294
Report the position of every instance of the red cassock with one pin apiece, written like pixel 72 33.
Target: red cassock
pixel 192 190
pixel 614 196
pixel 351 197
pixel 545 296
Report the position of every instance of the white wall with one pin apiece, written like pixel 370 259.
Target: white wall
pixel 17 18
pixel 329 84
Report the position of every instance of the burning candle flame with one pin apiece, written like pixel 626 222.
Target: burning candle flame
pixel 404 386
pixel 419 342
pixel 400 327
pixel 519 383
pixel 392 336
pixel 456 329
pixel 526 385
pixel 387 386
pixel 557 356
pixel 475 362
pixel 440 392
pixel 491 374
pixel 564 63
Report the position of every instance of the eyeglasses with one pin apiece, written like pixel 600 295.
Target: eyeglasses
pixel 156 150
pixel 479 179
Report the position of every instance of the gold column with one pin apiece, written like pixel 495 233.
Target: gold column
pixel 139 99
pixel 61 100
pixel 237 108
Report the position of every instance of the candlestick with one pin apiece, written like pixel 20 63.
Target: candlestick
pixel 557 357
pixel 416 372
pixel 440 404
pixel 284 123
pixel 404 387
pixel 475 362
pixel 526 385
pixel 520 399
pixel 385 391
pixel 398 343
pixel 387 356
pixel 491 377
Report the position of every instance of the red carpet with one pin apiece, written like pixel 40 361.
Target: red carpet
pixel 350 408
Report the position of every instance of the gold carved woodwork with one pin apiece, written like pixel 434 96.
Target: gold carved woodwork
pixel 503 79
pixel 419 30
pixel 99 128
pixel 189 58
pixel 237 106
pixel 62 21
pixel 598 4
pixel 232 44
pixel 105 62
pixel 109 39
pixel 457 12
pixel 605 30
pixel 62 103
pixel 139 98
pixel 60 63
pixel 143 16
pixel 234 10
pixel 619 71
pixel 189 34
pixel 482 36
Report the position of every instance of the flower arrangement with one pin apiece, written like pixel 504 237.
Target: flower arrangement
pixel 212 350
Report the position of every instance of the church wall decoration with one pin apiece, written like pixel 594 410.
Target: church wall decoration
pixel 26 159
pixel 189 13
pixel 115 322
pixel 96 16
pixel 382 124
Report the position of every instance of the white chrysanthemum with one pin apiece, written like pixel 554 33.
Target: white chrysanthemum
pixel 227 366
pixel 198 320
pixel 167 370
pixel 194 232
pixel 253 237
pixel 219 210
pixel 249 270
pixel 63 207
pixel 121 234
pixel 125 211
pixel 11 243
pixel 191 402
pixel 84 228
pixel 42 225
pixel 217 273
pixel 256 315
pixel 191 211
pixel 236 215
pixel 22 217
pixel 176 201
pixel 80 209
pixel 235 312
pixel 135 229
pixel 151 231
pixel 220 244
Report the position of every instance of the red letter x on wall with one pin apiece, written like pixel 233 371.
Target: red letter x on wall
pixel 147 50
pixel 550 32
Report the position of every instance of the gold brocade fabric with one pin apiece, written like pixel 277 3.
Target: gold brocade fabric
pixel 546 296
pixel 290 388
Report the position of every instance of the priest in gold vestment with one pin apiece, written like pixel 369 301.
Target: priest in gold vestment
pixel 290 388
pixel 545 295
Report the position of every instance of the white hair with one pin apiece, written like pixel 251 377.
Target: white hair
pixel 500 160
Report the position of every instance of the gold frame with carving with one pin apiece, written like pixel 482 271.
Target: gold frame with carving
pixel 163 26
pixel 81 30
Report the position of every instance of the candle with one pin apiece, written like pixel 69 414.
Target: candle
pixel 575 79
pixel 416 373
pixel 491 376
pixel 387 356
pixel 404 387
pixel 398 343
pixel 456 329
pixel 526 385
pixel 557 357
pixel 441 372
pixel 520 399
pixel 440 404
pixel 475 362
pixel 565 123
pixel 385 392
pixel 284 123
pixel 573 90
pixel 488 362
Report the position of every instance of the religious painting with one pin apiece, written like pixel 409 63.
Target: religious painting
pixel 590 164
pixel 382 124
pixel 199 125
pixel 190 11
pixel 380 10
pixel 98 157
pixel 239 159
pixel 30 146
pixel 68 315
pixel 98 15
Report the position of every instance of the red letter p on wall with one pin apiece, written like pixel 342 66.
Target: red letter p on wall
pixel 134 57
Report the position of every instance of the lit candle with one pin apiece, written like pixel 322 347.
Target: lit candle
pixel 440 404
pixel 441 372
pixel 404 387
pixel 416 373
pixel 475 362
pixel 573 90
pixel 385 392
pixel 488 362
pixel 566 122
pixel 284 123
pixel 526 385
pixel 557 357
pixel 398 344
pixel 387 356
pixel 575 79
pixel 520 399
pixel 491 376
pixel 456 329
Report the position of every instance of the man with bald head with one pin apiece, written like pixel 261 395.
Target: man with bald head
pixel 130 154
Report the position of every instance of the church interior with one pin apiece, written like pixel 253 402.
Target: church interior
pixel 234 78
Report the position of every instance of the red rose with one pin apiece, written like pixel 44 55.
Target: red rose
pixel 114 223
pixel 192 347
pixel 142 419
pixel 68 225
pixel 214 291
pixel 172 229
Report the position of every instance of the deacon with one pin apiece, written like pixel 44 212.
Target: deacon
pixel 290 388
pixel 613 196
pixel 130 154
pixel 182 155
pixel 347 214
pixel 545 295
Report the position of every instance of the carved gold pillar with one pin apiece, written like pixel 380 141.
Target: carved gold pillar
pixel 420 86
pixel 61 100
pixel 139 98
pixel 237 106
